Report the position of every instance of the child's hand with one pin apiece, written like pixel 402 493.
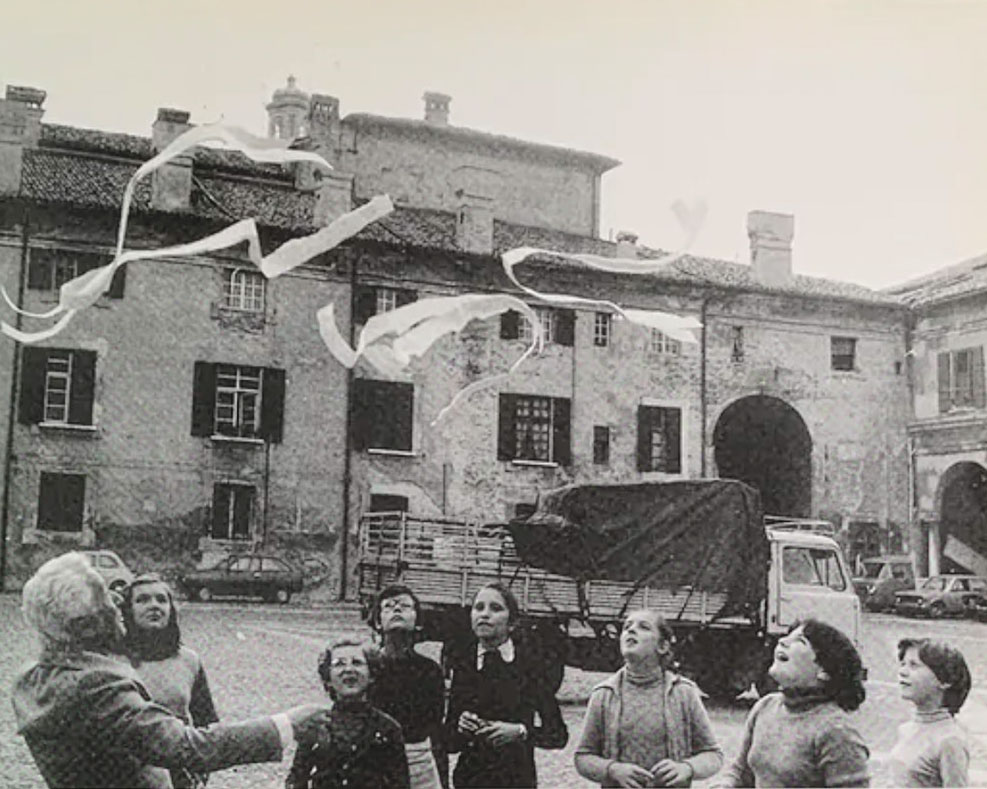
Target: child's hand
pixel 669 773
pixel 470 723
pixel 498 733
pixel 629 775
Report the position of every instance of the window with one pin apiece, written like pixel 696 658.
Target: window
pixel 534 428
pixel 382 415
pixel 602 326
pixel 61 500
pixel 386 502
pixel 601 445
pixel 812 567
pixel 524 510
pixel 661 343
pixel 737 344
pixel 57 386
pixel 244 290
pixel 370 300
pixel 961 379
pixel 49 269
pixel 843 353
pixel 231 507
pixel 238 401
pixel 558 326
pixel 659 439
pixel 106 562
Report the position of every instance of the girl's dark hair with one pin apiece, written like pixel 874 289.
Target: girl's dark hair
pixel 947 663
pixel 141 644
pixel 325 659
pixel 513 609
pixel 838 657
pixel 394 590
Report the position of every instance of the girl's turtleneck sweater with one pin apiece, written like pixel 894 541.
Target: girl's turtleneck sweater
pixel 799 738
pixel 931 750
pixel 643 733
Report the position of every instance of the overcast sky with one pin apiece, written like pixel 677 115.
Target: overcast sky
pixel 865 119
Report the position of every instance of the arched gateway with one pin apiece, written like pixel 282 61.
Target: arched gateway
pixel 763 441
pixel 963 519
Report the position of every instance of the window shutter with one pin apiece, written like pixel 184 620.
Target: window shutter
pixel 945 390
pixel 643 438
pixel 561 431
pixel 118 282
pixel 565 327
pixel 361 409
pixel 220 512
pixel 61 501
pixel 364 303
pixel 203 398
pixel 242 504
pixel 39 272
pixel 405 296
pixel 510 325
pixel 32 403
pixel 83 387
pixel 506 427
pixel 399 414
pixel 272 405
pixel 979 401
pixel 673 438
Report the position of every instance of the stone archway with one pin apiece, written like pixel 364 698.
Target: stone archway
pixel 764 442
pixel 963 519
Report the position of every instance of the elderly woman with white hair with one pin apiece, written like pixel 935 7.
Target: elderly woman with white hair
pixel 88 720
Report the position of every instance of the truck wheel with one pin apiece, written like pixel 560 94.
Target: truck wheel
pixel 204 594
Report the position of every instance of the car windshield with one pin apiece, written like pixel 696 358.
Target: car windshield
pixel 872 570
pixel 937 584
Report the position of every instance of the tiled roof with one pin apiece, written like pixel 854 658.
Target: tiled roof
pixel 950 282
pixel 484 140
pixel 74 167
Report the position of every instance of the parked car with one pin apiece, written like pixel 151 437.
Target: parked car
pixel 244 575
pixel 941 595
pixel 116 574
pixel 883 577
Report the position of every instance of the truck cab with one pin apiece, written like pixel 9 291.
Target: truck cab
pixel 809 578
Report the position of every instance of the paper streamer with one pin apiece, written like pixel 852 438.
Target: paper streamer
pixel 84 290
pixel 391 339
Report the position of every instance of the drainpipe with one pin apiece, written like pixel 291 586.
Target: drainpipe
pixel 344 551
pixel 8 453
pixel 703 314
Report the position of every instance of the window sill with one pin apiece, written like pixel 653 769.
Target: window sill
pixel 535 463
pixel 399 453
pixel 68 427
pixel 219 438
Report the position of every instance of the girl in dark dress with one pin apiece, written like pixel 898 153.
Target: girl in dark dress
pixel 363 746
pixel 409 687
pixel 496 693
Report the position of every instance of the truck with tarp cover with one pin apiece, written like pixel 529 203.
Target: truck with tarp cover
pixel 698 551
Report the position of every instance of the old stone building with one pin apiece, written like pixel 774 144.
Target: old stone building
pixel 195 408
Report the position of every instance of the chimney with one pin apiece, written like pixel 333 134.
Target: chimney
pixel 771 247
pixel 626 244
pixel 20 128
pixel 437 108
pixel 333 198
pixel 474 222
pixel 171 185
pixel 322 124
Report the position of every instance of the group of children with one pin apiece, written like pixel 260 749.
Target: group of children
pixel 644 726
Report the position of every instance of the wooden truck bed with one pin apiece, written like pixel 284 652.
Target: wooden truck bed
pixel 446 561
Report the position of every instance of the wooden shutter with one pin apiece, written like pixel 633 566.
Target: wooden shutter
pixel 39 270
pixel 83 387
pixel 118 283
pixel 61 501
pixel 945 389
pixel 272 405
pixel 361 413
pixel 395 415
pixel 977 374
pixel 510 325
pixel 673 439
pixel 364 303
pixel 34 362
pixel 644 414
pixel 564 327
pixel 561 431
pixel 242 504
pixel 203 399
pixel 506 427
pixel 220 512
pixel 405 296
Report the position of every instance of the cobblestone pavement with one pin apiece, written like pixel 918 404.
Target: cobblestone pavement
pixel 261 658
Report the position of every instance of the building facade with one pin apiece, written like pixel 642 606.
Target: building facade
pixel 195 410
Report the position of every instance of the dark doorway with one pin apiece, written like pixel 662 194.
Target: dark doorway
pixel 763 441
pixel 963 519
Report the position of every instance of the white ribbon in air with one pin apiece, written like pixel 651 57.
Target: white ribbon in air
pixel 83 291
